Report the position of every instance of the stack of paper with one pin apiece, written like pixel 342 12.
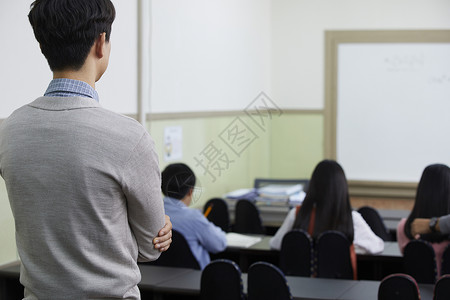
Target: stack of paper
pixel 242 193
pixel 240 240
pixel 278 191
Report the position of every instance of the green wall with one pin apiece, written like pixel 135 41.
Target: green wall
pixel 297 144
pixel 288 146
pixel 199 133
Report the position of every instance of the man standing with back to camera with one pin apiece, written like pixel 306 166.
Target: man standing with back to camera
pixel 83 182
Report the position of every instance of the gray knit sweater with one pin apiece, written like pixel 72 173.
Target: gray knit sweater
pixel 85 191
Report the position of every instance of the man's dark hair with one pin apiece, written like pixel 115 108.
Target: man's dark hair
pixel 177 180
pixel 67 29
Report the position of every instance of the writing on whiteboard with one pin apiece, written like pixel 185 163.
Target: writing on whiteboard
pixel 404 62
pixel 440 79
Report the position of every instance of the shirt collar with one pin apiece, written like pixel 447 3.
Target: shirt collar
pixel 175 201
pixel 64 87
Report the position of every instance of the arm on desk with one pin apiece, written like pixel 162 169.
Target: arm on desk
pixel 422 226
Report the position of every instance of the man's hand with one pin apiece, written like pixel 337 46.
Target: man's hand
pixel 164 238
pixel 420 226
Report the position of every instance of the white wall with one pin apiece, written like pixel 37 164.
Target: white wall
pixel 209 55
pixel 298 38
pixel 24 73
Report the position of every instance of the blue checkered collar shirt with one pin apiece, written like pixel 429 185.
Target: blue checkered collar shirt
pixel 64 87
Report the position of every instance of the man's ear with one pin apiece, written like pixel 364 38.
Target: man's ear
pixel 100 45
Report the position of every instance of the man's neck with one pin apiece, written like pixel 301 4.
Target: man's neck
pixel 76 75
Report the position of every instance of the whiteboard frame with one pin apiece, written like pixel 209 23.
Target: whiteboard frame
pixel 332 41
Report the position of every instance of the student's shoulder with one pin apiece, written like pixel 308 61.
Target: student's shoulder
pixel 357 217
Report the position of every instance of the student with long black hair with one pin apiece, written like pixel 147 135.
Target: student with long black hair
pixel 328 203
pixel 432 200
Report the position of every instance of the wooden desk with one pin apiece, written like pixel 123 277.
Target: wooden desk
pixel 180 282
pixel 152 276
pixel 365 289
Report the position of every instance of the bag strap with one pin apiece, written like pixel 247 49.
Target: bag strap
pixel 312 219
pixel 353 261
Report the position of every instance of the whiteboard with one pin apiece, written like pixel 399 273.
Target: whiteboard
pixel 393 109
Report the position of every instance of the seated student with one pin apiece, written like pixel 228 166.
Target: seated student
pixel 178 182
pixel 328 200
pixel 432 200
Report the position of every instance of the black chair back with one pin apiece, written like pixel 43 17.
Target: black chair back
pixel 247 218
pixel 442 288
pixel 445 264
pixel 419 261
pixel 266 282
pixel 398 287
pixel 374 220
pixel 296 255
pixel 217 213
pixel 221 280
pixel 333 255
pixel 179 254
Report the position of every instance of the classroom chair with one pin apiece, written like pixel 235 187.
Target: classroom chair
pixel 221 280
pixel 398 287
pixel 296 255
pixel 442 288
pixel 179 254
pixel 445 264
pixel 333 255
pixel 216 211
pixel 247 218
pixel 420 261
pixel 374 220
pixel 267 282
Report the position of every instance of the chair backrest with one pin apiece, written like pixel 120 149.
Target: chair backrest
pixel 442 288
pixel 333 255
pixel 296 255
pixel 398 287
pixel 374 220
pixel 267 282
pixel 217 213
pixel 247 218
pixel 221 280
pixel 419 261
pixel 445 265
pixel 179 254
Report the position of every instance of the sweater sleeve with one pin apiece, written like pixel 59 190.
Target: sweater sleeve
pixel 288 223
pixel 142 188
pixel 365 239
pixel 444 224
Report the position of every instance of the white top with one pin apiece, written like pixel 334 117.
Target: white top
pixel 365 240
